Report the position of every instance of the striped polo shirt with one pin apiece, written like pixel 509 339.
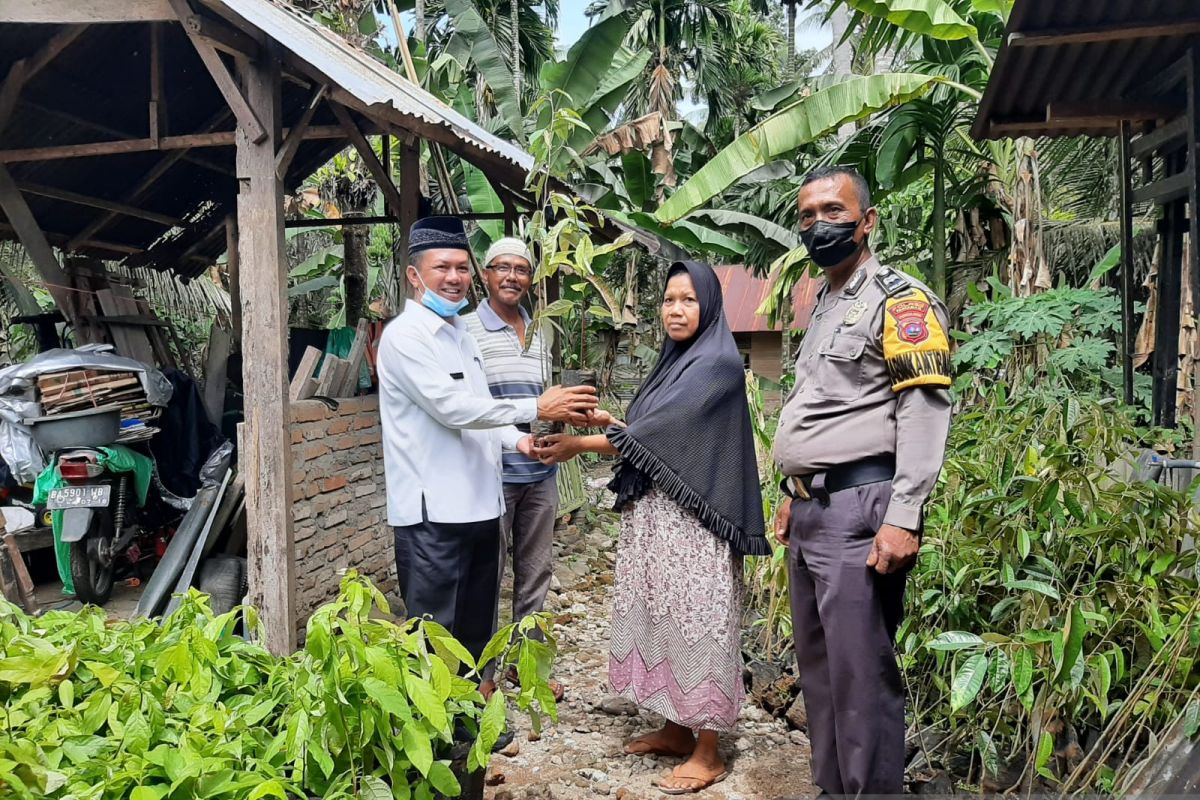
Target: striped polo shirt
pixel 512 373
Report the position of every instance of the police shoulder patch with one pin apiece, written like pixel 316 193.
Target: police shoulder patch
pixel 892 282
pixel 915 346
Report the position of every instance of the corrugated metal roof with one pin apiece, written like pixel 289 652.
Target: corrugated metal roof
pixel 362 76
pixel 744 293
pixel 1026 79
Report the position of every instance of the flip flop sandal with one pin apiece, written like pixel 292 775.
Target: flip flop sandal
pixel 650 750
pixel 689 789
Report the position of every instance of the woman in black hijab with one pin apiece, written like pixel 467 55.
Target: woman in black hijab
pixel 688 488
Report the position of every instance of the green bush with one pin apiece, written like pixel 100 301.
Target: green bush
pixel 95 708
pixel 1052 611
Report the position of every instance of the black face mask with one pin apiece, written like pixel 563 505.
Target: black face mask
pixel 830 243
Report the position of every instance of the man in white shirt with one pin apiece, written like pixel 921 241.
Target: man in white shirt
pixel 443 434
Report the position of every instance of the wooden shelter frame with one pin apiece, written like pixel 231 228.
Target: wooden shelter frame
pixel 1155 116
pixel 249 68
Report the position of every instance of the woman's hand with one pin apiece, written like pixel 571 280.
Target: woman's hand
pixel 557 448
pixel 599 418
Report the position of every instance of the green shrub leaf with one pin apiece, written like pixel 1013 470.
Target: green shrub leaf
pixel 968 681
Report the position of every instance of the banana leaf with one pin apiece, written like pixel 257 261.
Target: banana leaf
pixel 924 17
pixel 802 122
pixel 741 222
pixel 484 200
pixel 471 31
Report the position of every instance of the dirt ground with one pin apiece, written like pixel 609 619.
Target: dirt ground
pixel 582 756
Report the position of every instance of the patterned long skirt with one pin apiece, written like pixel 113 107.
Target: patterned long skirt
pixel 677 608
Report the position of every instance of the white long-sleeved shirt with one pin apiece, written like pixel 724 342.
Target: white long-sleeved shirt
pixel 443 432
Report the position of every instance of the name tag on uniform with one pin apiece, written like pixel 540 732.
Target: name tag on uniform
pixel 458 376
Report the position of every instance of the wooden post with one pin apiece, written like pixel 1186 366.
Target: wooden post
pixel 410 207
pixel 1193 263
pixel 1127 264
pixel 266 457
pixel 232 259
pixel 35 243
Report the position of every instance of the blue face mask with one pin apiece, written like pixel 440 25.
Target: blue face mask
pixel 438 304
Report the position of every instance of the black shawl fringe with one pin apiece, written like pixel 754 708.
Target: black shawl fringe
pixel 665 479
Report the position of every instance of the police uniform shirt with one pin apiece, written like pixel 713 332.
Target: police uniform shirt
pixel 872 378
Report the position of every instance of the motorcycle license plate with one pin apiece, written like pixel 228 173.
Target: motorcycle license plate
pixel 79 497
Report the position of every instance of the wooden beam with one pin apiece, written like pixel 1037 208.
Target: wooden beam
pixel 35 243
pixel 410 208
pixel 266 455
pixel 1165 190
pixel 1110 111
pixel 1128 334
pixel 220 36
pixel 96 202
pixel 167 143
pixel 232 259
pixel 390 193
pixel 117 133
pixel 148 180
pixel 221 76
pixel 21 72
pixel 156 82
pixel 1155 29
pixel 296 135
pixel 385 219
pixel 1163 137
pixel 61 240
pixel 84 12
pixel 1014 127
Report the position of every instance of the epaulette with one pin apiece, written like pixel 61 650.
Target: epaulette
pixel 892 282
pixel 856 282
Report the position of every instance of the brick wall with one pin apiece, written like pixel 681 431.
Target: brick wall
pixel 339 506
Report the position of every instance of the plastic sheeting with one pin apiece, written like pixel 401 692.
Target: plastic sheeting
pixel 18 398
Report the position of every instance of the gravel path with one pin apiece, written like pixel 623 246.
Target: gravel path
pixel 581 756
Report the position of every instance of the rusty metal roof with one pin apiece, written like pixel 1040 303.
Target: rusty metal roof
pixel 743 294
pixel 363 77
pixel 1030 76
pixel 97 90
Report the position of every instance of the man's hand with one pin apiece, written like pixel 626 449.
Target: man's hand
pixel 557 448
pixel 894 549
pixel 783 520
pixel 567 404
pixel 525 447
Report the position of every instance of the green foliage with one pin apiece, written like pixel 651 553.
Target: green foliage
pixel 96 708
pixel 803 121
pixel 1061 337
pixel 1050 591
pixel 1051 595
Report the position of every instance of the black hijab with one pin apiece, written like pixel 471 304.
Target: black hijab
pixel 689 428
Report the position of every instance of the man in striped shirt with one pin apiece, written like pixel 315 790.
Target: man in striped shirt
pixel 499 326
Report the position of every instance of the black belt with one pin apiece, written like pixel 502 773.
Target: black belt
pixel 819 485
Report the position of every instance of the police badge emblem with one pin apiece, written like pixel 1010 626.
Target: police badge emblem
pixel 855 313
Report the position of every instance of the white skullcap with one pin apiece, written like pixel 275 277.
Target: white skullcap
pixel 508 246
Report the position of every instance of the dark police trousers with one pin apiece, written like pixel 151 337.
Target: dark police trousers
pixel 450 571
pixel 844 618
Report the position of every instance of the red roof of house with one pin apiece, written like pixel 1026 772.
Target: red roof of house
pixel 744 294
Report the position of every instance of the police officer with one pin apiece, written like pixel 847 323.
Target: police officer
pixel 860 440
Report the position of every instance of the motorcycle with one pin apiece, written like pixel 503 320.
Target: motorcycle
pixel 102 523
pixel 95 521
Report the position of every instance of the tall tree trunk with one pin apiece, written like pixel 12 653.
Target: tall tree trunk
pixel 514 12
pixel 420 26
pixel 938 244
pixel 354 271
pixel 791 37
pixel 1028 272
pixel 842 63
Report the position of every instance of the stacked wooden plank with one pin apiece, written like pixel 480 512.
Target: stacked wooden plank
pixel 81 389
pixel 338 377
